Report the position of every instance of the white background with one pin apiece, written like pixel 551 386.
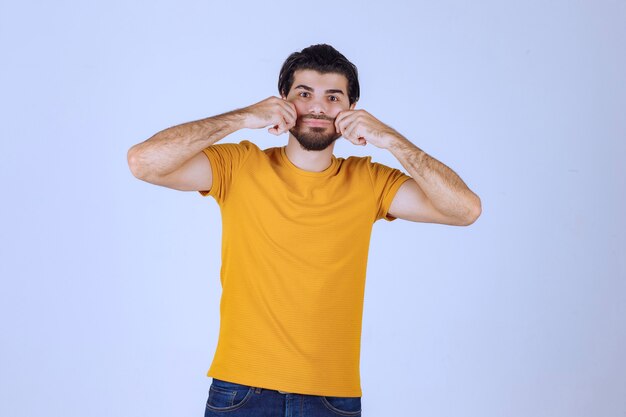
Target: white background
pixel 109 297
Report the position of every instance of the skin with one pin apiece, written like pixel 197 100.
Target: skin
pixel 436 194
pixel 315 94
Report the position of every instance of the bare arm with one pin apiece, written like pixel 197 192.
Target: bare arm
pixel 435 194
pixel 168 149
pixel 173 157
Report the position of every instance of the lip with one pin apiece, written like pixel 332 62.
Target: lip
pixel 316 122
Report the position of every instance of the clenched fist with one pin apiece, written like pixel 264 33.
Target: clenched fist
pixel 361 128
pixel 278 114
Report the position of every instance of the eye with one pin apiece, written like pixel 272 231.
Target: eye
pixel 303 94
pixel 333 98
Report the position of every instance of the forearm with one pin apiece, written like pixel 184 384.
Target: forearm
pixel 168 149
pixel 444 188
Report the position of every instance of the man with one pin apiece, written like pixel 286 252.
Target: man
pixel 296 229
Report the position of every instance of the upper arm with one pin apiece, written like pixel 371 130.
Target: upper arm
pixel 194 175
pixel 411 203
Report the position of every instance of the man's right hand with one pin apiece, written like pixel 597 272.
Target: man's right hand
pixel 173 157
pixel 278 114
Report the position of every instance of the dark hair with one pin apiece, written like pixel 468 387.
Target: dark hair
pixel 321 58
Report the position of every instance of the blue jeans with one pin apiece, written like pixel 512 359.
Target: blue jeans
pixel 227 399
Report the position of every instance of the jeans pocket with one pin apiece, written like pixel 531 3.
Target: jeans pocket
pixel 343 406
pixel 226 396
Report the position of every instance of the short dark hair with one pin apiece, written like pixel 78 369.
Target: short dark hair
pixel 322 58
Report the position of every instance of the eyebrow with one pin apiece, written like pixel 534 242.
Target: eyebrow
pixel 330 91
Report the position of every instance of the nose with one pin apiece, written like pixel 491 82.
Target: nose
pixel 317 105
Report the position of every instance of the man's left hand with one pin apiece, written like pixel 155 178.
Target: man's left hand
pixel 361 128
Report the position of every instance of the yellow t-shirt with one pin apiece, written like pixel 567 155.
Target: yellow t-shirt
pixel 294 255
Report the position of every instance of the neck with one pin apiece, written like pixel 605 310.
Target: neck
pixel 315 161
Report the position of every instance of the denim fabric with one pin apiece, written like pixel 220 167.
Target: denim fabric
pixel 236 400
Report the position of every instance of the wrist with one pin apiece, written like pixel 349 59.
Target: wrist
pixel 235 120
pixel 396 142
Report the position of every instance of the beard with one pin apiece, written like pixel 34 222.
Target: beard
pixel 314 138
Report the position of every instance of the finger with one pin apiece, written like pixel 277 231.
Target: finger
pixel 274 130
pixel 283 126
pixel 285 116
pixel 291 123
pixel 341 116
pixel 290 119
pixel 348 120
pixel 292 110
pixel 351 132
pixel 347 125
pixel 357 132
pixel 352 141
pixel 280 128
pixel 349 135
pixel 289 109
pixel 277 126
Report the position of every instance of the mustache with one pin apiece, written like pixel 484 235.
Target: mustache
pixel 317 117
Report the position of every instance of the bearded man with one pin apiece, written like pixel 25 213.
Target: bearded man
pixel 296 229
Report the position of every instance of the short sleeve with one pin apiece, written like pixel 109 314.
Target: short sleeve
pixel 226 159
pixel 386 182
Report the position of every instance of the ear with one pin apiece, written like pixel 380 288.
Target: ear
pixel 352 106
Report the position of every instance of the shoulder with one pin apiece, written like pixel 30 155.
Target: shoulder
pixel 248 146
pixel 364 164
pixel 231 150
pixel 355 162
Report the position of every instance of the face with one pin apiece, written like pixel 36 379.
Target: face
pixel 318 99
